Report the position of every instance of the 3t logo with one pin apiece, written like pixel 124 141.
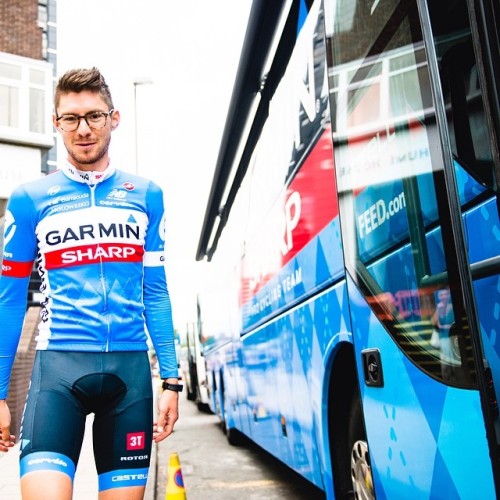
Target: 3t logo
pixel 135 441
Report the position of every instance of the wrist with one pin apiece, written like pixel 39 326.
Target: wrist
pixel 171 384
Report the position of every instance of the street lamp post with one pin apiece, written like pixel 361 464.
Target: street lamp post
pixel 136 82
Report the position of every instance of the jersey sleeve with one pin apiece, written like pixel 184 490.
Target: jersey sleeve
pixel 20 246
pixel 157 305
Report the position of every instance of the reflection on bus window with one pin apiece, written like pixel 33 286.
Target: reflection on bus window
pixel 442 321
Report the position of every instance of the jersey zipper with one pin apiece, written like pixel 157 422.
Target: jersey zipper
pixel 92 187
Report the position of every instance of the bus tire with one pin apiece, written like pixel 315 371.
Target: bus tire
pixel 203 407
pixel 234 437
pixel 191 395
pixel 193 383
pixel 361 475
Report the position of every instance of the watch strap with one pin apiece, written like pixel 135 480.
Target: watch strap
pixel 166 386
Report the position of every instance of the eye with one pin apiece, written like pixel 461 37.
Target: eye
pixel 96 116
pixel 69 119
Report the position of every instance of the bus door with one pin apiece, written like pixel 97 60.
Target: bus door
pixel 415 133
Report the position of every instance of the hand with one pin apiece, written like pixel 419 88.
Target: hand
pixel 168 413
pixel 7 440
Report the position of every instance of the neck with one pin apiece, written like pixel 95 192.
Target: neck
pixel 98 166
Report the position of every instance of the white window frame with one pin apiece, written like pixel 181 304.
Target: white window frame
pixel 22 134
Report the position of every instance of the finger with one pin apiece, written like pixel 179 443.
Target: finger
pixel 169 428
pixel 6 444
pixel 10 440
pixel 159 436
pixel 160 423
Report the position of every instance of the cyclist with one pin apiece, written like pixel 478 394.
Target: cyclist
pixel 97 235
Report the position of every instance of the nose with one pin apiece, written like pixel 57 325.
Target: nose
pixel 83 122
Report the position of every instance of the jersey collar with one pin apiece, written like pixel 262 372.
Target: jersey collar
pixel 86 177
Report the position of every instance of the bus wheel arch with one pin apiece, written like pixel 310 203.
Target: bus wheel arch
pixel 346 431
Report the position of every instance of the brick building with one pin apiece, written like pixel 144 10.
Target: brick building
pixel 27 145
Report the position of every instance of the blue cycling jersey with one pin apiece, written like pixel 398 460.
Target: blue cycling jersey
pixel 98 239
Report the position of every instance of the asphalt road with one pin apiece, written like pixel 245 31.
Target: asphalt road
pixel 212 469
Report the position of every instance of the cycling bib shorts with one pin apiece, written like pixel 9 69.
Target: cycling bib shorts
pixel 66 387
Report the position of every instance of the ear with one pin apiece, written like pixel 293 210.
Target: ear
pixel 54 121
pixel 115 119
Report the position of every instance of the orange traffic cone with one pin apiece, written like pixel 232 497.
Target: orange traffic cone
pixel 175 484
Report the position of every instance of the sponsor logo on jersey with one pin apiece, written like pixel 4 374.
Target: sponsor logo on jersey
pixel 9 228
pixel 162 227
pixel 15 269
pixel 69 198
pixel 94 254
pixel 92 232
pixel 53 190
pixel 128 186
pixel 87 176
pixel 117 194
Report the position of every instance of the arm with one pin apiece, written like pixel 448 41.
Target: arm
pixel 13 300
pixel 158 313
pixel 160 327
pixel 18 256
pixel 12 308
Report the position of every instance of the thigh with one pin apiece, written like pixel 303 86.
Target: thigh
pixel 123 435
pixel 53 422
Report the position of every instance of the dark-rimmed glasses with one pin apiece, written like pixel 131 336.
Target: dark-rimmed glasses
pixel 95 120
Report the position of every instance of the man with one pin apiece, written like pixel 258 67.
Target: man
pixel 97 235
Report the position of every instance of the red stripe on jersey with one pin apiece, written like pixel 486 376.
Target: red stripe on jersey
pixel 94 254
pixel 16 269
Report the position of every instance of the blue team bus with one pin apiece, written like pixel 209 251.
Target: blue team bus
pixel 351 320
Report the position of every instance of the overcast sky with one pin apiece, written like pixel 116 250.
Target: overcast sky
pixel 189 50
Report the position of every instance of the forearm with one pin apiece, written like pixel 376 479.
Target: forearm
pixel 158 314
pixel 162 336
pixel 12 310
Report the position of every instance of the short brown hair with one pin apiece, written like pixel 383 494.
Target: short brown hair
pixel 78 80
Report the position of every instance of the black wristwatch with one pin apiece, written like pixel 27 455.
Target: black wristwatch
pixel 171 387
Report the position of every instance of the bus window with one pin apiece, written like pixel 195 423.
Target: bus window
pixel 385 138
pixel 461 91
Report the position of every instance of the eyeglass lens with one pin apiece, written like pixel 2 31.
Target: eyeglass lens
pixel 94 120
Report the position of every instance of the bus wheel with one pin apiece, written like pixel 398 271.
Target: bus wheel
pixel 361 472
pixel 233 435
pixel 190 393
pixel 203 407
pixel 193 383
